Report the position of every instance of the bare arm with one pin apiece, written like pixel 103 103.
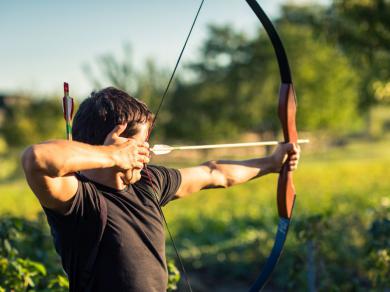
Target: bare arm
pixel 49 167
pixel 224 173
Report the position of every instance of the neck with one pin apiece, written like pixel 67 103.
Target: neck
pixel 106 177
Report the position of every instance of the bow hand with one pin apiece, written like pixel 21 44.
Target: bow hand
pixel 285 154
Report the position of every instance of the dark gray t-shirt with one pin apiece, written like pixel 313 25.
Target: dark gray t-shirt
pixel 116 238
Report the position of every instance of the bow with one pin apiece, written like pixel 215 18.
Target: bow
pixel 287 112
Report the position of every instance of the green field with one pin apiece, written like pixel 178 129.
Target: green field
pixel 230 231
pixel 340 193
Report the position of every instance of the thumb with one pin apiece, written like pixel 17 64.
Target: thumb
pixel 115 133
pixel 292 148
pixel 288 148
pixel 118 130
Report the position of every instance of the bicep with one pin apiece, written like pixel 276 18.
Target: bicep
pixel 197 178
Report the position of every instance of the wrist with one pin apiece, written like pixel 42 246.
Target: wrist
pixel 273 165
pixel 109 151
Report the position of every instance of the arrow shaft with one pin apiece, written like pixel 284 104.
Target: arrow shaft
pixel 165 149
pixel 233 145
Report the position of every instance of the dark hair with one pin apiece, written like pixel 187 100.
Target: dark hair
pixel 103 110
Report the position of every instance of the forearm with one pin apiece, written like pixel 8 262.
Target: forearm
pixel 60 157
pixel 227 173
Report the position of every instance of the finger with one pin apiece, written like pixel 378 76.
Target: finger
pixel 143 144
pixel 144 159
pixel 125 180
pixel 135 176
pixel 143 147
pixel 293 165
pixel 296 149
pixel 293 148
pixel 143 151
pixel 138 165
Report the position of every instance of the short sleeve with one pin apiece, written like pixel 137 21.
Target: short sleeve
pixel 85 209
pixel 165 182
pixel 78 232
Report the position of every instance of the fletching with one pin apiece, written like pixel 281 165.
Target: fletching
pixel 68 107
pixel 160 149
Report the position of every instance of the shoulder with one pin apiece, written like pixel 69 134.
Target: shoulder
pixel 161 181
pixel 159 173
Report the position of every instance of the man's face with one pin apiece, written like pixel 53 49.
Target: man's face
pixel 143 132
pixel 134 175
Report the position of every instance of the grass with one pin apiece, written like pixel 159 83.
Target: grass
pixel 357 172
pixel 17 199
pixel 227 231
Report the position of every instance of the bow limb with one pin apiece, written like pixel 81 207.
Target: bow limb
pixel 287 112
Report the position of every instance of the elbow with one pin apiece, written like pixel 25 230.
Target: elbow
pixel 218 177
pixel 32 160
pixel 29 159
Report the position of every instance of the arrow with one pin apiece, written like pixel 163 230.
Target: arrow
pixel 67 107
pixel 161 149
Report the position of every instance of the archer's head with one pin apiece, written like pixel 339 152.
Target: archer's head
pixel 100 113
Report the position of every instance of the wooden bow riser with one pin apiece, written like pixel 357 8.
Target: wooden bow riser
pixel 287 112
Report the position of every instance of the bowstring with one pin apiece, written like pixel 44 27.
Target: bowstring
pixel 187 280
pixel 174 70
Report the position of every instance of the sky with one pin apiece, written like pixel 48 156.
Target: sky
pixel 46 42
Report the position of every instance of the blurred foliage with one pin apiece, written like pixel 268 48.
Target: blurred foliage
pixel 119 73
pixel 147 84
pixel 237 87
pixel 361 29
pixel 27 259
pixel 340 230
pixel 173 276
pixel 339 56
pixel 30 121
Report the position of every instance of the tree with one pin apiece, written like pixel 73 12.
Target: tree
pixel 147 84
pixel 362 30
pixel 237 83
pixel 29 121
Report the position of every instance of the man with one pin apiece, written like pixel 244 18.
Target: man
pixel 102 203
